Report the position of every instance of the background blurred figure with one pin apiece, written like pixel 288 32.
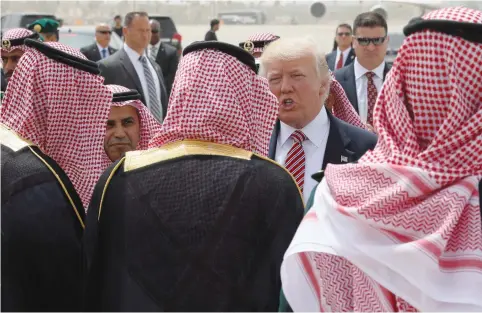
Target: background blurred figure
pixel 117 28
pixel 132 68
pixel 401 230
pixel 211 34
pixel 47 28
pixel 343 53
pixel 362 80
pixel 100 49
pixel 164 55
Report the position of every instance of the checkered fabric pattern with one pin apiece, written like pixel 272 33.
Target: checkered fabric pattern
pixel 261 37
pixel 341 106
pixel 64 111
pixel 217 98
pixel 15 33
pixel 406 219
pixel 149 126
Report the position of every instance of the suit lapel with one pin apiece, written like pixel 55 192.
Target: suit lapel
pixel 350 58
pixel 273 141
pixel 386 69
pixel 351 84
pixel 111 51
pixel 129 67
pixel 332 60
pixel 336 151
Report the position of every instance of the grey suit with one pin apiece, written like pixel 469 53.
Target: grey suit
pixel 346 77
pixel 118 69
pixel 331 59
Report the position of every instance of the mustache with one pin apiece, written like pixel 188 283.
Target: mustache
pixel 116 141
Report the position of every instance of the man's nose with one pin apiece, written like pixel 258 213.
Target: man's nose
pixel 9 66
pixel 286 86
pixel 119 133
pixel 371 46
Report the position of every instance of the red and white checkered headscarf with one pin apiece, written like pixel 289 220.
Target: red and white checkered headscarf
pixel 149 126
pixel 401 230
pixel 342 107
pixel 15 33
pixel 217 98
pixel 261 37
pixel 63 110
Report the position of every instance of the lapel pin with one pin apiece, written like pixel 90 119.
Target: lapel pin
pixel 344 158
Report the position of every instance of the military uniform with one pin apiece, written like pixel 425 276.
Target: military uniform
pixel 46 26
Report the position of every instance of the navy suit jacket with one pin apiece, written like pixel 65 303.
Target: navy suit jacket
pixel 346 143
pixel 331 59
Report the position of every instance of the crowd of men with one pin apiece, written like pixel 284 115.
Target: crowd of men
pixel 257 181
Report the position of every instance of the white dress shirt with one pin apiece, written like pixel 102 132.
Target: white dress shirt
pixel 149 50
pixel 343 53
pixel 107 54
pixel 134 57
pixel 361 86
pixel 314 146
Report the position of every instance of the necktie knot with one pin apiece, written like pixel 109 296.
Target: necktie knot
pixel 370 75
pixel 142 59
pixel 298 136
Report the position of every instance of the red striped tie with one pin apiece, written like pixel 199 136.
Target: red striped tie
pixel 295 161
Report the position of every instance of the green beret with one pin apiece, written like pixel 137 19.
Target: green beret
pixel 44 25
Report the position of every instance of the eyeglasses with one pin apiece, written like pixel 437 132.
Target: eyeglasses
pixel 344 34
pixel 154 31
pixel 105 32
pixel 366 41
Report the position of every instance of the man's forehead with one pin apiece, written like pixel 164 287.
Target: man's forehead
pixel 370 31
pixel 300 63
pixel 122 112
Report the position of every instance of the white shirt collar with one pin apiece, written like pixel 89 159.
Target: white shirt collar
pixel 347 50
pixel 157 45
pixel 360 70
pixel 100 47
pixel 312 131
pixel 133 55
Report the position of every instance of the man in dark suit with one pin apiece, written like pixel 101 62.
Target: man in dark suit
pixel 343 54
pixel 363 79
pixel 307 136
pixel 211 34
pixel 163 54
pixel 130 67
pixel 100 49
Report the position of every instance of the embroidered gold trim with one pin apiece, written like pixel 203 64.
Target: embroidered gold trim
pixel 12 140
pixel 139 159
pixel 107 184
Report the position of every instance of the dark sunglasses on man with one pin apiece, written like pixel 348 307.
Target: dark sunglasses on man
pixel 377 41
pixel 154 31
pixel 105 32
pixel 347 34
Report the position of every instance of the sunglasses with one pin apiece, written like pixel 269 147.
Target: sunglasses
pixel 344 34
pixel 366 41
pixel 154 31
pixel 105 32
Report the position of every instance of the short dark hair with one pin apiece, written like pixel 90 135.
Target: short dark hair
pixel 214 22
pixel 117 17
pixel 344 25
pixel 131 15
pixel 370 19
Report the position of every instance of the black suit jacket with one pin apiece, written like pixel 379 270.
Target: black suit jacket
pixel 168 60
pixel 92 52
pixel 118 69
pixel 331 59
pixel 346 77
pixel 346 143
pixel 211 35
